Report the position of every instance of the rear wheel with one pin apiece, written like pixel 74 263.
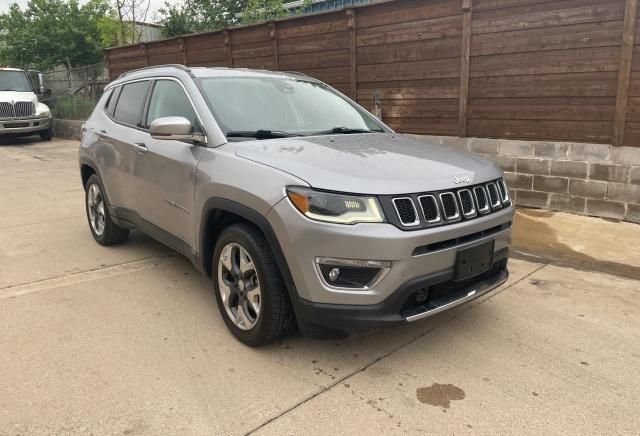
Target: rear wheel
pixel 103 229
pixel 251 294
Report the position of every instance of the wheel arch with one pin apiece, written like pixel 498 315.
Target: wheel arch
pixel 219 213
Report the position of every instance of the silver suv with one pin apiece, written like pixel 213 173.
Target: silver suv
pixel 303 208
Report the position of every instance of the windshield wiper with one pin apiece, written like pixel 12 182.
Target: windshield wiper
pixel 345 131
pixel 260 134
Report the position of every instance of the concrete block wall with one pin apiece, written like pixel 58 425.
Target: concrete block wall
pixel 590 179
pixel 68 129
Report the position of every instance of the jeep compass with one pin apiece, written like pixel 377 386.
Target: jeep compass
pixel 302 207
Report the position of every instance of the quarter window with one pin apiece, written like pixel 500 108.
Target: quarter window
pixel 129 106
pixel 169 100
pixel 113 99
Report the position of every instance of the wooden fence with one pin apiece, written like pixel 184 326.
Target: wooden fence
pixel 530 69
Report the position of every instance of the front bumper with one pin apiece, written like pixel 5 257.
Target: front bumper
pixel 412 267
pixel 28 125
pixel 339 321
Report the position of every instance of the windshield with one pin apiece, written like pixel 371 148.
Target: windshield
pixel 14 81
pixel 281 106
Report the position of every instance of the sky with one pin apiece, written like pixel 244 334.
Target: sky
pixel 155 5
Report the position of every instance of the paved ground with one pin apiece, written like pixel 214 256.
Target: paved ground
pixel 128 340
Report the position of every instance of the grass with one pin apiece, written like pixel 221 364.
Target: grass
pixel 73 107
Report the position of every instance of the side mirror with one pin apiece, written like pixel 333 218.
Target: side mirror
pixel 174 129
pixel 41 87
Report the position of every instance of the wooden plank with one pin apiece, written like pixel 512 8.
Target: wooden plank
pixel 556 13
pixel 431 69
pixel 312 25
pixel 433 126
pixel 262 62
pixel 248 35
pixel 446 48
pixel 168 58
pixel 258 49
pixel 353 65
pixel 420 30
pixel 273 34
pixel 405 11
pixel 464 66
pixel 330 58
pixel 330 74
pixel 412 89
pixel 206 41
pixel 601 34
pixel 589 131
pixel 216 55
pixel 624 75
pixel 487 5
pixel 424 108
pixel 580 60
pixel 545 85
pixel 312 44
pixel 568 108
pixel 163 47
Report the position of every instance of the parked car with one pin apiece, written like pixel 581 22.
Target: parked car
pixel 21 114
pixel 301 206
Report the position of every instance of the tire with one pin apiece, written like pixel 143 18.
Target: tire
pixel 46 135
pixel 104 230
pixel 275 317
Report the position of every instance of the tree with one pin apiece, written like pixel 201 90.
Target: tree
pixel 262 10
pixel 199 15
pixel 48 33
pixel 129 13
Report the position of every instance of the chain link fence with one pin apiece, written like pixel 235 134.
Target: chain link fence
pixel 72 93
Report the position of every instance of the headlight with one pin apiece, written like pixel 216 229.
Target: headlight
pixel 336 208
pixel 42 110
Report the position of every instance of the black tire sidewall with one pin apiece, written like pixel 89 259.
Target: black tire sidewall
pixel 259 334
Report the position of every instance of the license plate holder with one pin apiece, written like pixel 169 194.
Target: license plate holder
pixel 473 261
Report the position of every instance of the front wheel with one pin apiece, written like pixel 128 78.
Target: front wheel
pixel 46 135
pixel 251 294
pixel 103 229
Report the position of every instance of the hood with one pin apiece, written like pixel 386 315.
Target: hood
pixel 369 163
pixel 13 96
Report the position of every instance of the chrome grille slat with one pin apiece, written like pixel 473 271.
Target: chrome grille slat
pixel 450 207
pixel 430 209
pixel 406 210
pixel 467 205
pixel 494 196
pixel 481 199
pixel 504 192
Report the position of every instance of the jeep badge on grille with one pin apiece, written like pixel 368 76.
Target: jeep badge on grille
pixel 461 179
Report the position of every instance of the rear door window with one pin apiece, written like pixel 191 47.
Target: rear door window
pixel 113 99
pixel 130 103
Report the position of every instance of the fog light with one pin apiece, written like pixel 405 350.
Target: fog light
pixel 333 274
pixel 351 273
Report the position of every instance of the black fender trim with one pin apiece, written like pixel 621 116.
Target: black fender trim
pixel 259 220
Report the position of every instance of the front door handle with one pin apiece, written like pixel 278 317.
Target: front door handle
pixel 140 147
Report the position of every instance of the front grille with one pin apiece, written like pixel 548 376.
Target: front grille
pixel 21 109
pixel 442 207
pixel 406 211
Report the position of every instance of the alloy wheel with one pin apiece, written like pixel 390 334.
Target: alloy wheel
pixel 95 205
pixel 239 286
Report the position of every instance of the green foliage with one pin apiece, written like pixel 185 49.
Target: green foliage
pixel 73 107
pixel 48 33
pixel 262 10
pixel 199 15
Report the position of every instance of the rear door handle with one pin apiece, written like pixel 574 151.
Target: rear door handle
pixel 140 147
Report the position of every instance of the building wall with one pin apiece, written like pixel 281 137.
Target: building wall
pixel 590 179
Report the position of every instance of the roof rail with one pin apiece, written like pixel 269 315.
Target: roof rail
pixel 297 73
pixel 151 67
